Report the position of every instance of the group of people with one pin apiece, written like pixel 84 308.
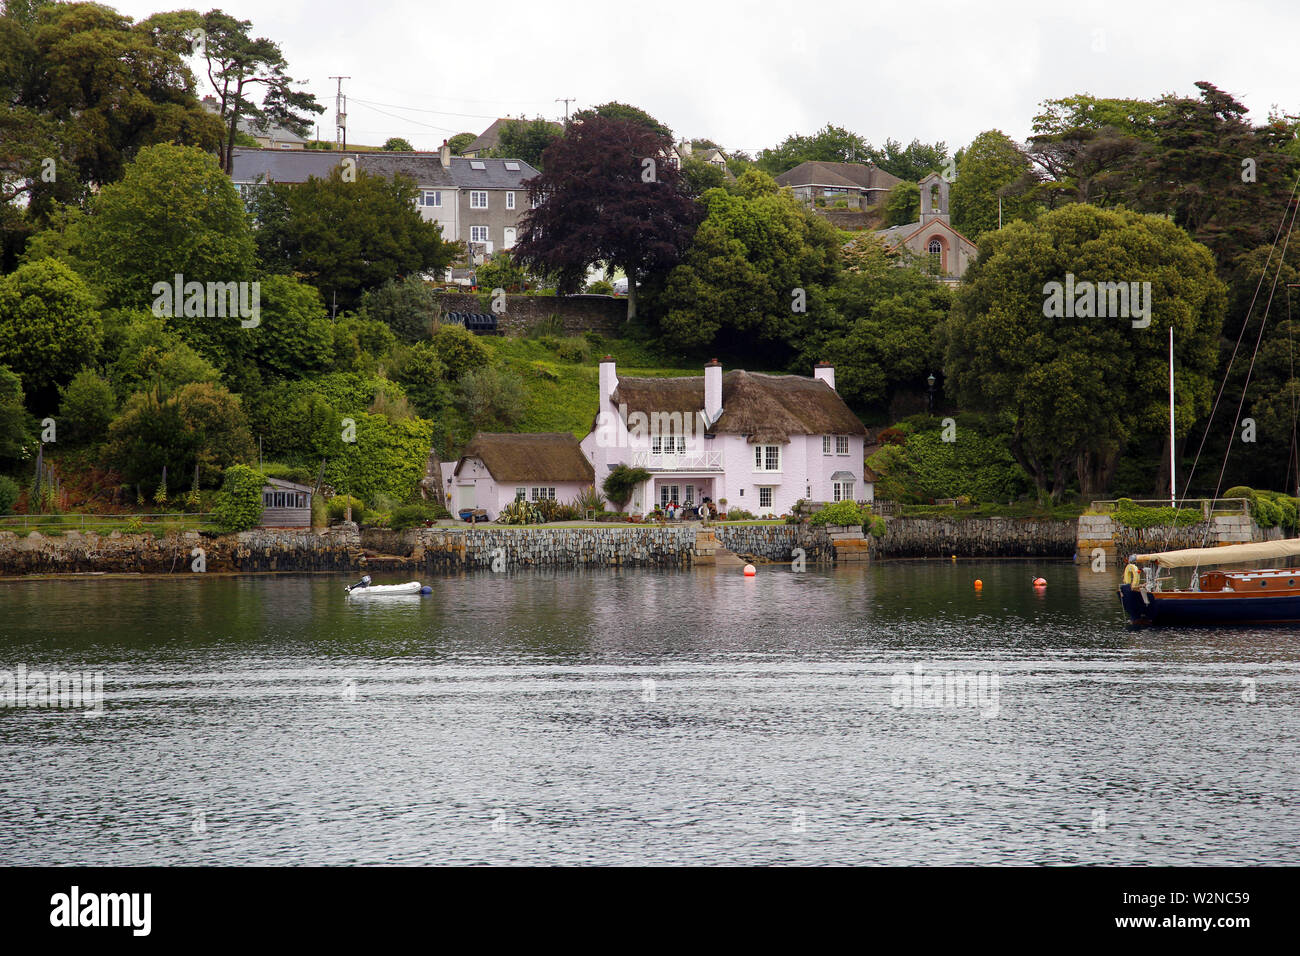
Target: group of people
pixel 703 511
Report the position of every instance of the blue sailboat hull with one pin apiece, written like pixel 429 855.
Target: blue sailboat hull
pixel 1174 608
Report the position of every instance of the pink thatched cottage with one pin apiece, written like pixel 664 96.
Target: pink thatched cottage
pixel 761 442
pixel 496 468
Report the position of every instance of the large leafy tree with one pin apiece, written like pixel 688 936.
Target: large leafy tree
pixel 755 273
pixel 239 66
pixel 346 235
pixel 608 195
pixel 84 87
pixel 623 111
pixel 1080 389
pixel 831 144
pixel 526 140
pixel 913 162
pixel 992 167
pixel 883 334
pixel 49 326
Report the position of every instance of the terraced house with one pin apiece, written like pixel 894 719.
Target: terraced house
pixel 476 201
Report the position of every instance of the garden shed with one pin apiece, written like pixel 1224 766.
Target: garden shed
pixel 285 504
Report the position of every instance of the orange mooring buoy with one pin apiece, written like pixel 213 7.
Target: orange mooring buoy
pixel 750 571
pixel 1040 582
pixel 979 585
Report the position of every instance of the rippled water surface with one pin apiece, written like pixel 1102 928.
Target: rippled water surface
pixel 644 717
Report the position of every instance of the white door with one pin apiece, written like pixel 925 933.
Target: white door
pixel 509 240
pixel 465 497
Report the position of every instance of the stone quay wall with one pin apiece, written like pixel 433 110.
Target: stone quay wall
pixel 976 538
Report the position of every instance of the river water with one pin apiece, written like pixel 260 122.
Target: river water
pixel 642 717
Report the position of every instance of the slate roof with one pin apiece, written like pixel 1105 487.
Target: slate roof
pixel 849 175
pixel 297 166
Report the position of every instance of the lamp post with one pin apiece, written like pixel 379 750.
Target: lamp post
pixel 930 394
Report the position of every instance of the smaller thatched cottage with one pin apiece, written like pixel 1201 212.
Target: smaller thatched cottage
pixel 496 468
pixel 285 504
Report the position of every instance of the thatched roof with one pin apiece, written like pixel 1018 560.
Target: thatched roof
pixel 766 408
pixel 542 456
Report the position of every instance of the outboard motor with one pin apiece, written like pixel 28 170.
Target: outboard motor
pixel 363 583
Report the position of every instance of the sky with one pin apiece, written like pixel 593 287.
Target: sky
pixel 747 74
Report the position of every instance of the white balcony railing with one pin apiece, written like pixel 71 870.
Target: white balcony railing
pixel 690 461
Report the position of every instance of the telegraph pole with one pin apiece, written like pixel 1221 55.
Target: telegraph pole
pixel 340 114
pixel 566 102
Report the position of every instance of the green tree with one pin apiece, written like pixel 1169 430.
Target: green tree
pixel 49 326
pixel 238 506
pixel 16 426
pixel 903 205
pixel 1079 389
pixel 526 140
pixel 83 86
pixel 407 306
pixel 423 377
pixel 459 350
pixel 831 144
pixel 294 338
pixel 621 482
pixel 395 144
pixel 756 260
pixel 992 167
pixel 86 409
pixel 151 356
pixel 913 162
pixel 458 142
pixel 501 272
pixel 346 237
pixel 239 64
pixel 493 397
pixel 201 424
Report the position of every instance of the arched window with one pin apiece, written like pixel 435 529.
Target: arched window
pixel 935 248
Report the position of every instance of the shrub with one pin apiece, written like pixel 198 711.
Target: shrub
pixel 407 306
pixel 238 506
pixel 601 287
pixel 415 515
pixel 386 457
pixel 1239 491
pixel 338 508
pixel 86 408
pixel 740 514
pixel 1135 516
pixel 493 397
pixel 519 511
pixel 459 350
pixel 9 491
pixel 621 482
pixel 552 510
pixel 839 513
pixel 298 474
pixel 875 526
pixel 574 348
pixel 589 499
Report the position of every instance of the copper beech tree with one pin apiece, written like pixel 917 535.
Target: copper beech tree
pixel 611 195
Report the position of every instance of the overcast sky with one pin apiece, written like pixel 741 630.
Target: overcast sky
pixel 748 74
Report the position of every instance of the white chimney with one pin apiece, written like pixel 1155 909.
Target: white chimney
pixel 444 154
pixel 608 378
pixel 712 392
pixel 825 372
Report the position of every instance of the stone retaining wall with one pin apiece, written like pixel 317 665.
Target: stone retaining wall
pixel 1119 541
pixel 522 312
pixel 976 537
pixel 260 550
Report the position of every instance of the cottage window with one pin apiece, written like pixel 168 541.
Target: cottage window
pixel 266 499
pixel 431 197
pixel 478 199
pixel 510 200
pixel 478 233
pixel 767 457
pixel 841 444
pixel 842 491
pixel 826 444
pixel 521 494
pixel 656 445
pixel 765 497
pixel 539 493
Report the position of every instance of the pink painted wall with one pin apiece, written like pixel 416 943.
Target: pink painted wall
pixel 475 487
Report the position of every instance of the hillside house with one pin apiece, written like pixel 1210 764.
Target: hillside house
pixel 761 442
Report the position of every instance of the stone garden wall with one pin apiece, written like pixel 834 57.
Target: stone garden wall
pixel 525 311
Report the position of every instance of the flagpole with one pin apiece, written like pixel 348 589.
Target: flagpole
pixel 1173 485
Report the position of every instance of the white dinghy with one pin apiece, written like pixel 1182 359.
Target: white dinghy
pixel 364 588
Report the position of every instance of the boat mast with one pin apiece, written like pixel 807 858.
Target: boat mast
pixel 1173 485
